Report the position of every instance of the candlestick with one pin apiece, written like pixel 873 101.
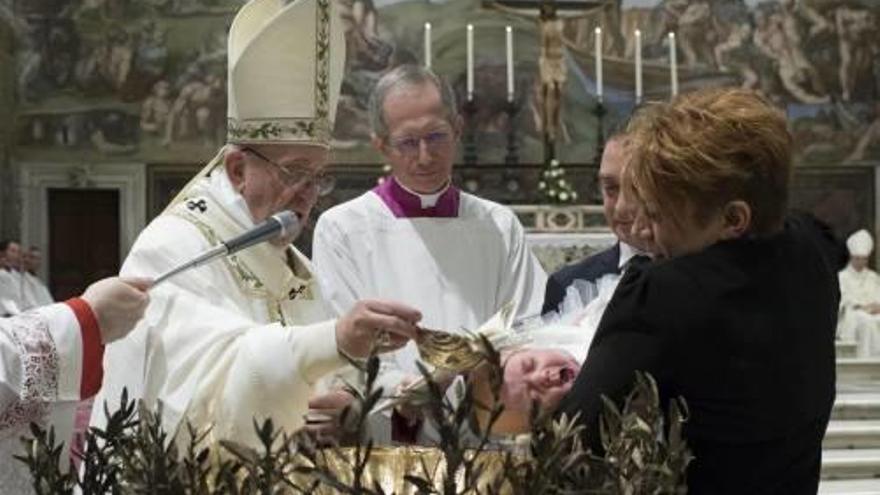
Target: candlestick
pixel 638 67
pixel 470 62
pixel 673 65
pixel 598 44
pixel 428 45
pixel 509 35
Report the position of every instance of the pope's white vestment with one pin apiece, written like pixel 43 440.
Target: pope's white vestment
pixel 229 341
pixel 859 288
pixel 41 380
pixel 458 271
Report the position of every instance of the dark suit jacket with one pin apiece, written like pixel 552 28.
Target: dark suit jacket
pixel 590 269
pixel 744 332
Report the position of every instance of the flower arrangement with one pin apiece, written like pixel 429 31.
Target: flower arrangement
pixel 556 188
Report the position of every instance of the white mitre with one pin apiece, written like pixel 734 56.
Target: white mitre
pixel 285 68
pixel 860 244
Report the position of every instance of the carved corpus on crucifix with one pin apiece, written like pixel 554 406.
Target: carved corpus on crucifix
pixel 550 15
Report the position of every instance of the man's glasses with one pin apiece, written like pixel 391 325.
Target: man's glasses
pixel 410 146
pixel 321 181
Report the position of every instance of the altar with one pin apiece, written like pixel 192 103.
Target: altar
pixel 561 235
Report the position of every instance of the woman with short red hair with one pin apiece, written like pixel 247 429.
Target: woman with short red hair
pixel 738 314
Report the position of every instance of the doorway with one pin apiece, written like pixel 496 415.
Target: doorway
pixel 84 236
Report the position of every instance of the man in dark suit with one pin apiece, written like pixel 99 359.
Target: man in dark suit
pixel 613 259
pixel 738 314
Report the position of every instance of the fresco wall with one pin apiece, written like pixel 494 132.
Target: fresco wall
pixel 144 79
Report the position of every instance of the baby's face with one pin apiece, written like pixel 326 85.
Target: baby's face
pixel 537 375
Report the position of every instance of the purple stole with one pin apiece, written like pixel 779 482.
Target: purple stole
pixel 404 204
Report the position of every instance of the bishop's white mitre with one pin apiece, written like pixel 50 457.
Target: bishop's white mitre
pixel 285 68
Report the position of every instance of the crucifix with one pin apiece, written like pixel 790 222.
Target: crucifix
pixel 551 62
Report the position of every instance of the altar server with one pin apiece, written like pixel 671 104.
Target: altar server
pixel 417 237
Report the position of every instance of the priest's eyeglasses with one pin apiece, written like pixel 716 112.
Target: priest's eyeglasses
pixel 321 181
pixel 409 146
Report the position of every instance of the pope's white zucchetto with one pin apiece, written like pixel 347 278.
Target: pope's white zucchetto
pixel 860 244
pixel 285 68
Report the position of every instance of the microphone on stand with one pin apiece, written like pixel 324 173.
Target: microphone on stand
pixel 278 225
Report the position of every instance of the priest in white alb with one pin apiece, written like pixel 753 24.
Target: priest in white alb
pixel 417 237
pixel 11 300
pixel 35 291
pixel 248 337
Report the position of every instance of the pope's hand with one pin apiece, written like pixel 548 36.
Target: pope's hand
pixel 118 304
pixel 325 410
pixel 386 324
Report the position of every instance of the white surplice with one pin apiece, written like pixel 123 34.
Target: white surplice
pixel 859 288
pixel 457 271
pixel 236 339
pixel 41 353
pixel 35 292
pixel 10 293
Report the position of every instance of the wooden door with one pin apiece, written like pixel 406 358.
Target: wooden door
pixel 83 238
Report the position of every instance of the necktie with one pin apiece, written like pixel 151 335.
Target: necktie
pixel 639 260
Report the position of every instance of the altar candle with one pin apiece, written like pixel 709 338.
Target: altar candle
pixel 470 62
pixel 598 34
pixel 673 65
pixel 638 67
pixel 428 45
pixel 509 35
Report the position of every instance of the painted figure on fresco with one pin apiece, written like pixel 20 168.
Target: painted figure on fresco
pixel 870 136
pixel 692 22
pixel 734 50
pixel 856 32
pixel 156 109
pixel 30 60
pixel 111 133
pixel 798 75
pixel 613 41
pixel 364 48
pixel 198 110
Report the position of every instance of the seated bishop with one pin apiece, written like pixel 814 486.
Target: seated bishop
pixel 860 297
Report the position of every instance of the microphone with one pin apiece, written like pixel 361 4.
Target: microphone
pixel 278 225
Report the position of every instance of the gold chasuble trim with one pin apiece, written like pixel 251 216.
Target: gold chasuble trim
pixel 287 283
